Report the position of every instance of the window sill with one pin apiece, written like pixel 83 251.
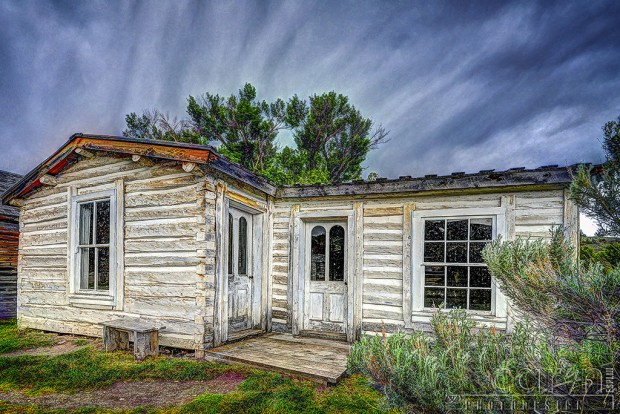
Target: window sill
pixel 93 301
pixel 485 318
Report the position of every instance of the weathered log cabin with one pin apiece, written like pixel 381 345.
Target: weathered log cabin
pixel 9 237
pixel 170 232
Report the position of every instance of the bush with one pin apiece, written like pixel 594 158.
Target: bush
pixel 461 368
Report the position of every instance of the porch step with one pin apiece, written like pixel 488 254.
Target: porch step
pixel 332 336
pixel 245 334
pixel 322 361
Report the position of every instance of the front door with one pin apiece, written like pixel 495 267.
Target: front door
pixel 239 270
pixel 325 301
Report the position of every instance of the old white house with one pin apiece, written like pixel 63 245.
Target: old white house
pixel 174 233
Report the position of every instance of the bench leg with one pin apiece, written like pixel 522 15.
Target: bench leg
pixel 145 344
pixel 114 339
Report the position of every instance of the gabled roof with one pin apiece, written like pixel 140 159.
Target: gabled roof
pixel 165 150
pixel 7 179
pixel 79 145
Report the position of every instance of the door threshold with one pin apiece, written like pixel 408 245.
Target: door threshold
pixel 334 336
pixel 244 334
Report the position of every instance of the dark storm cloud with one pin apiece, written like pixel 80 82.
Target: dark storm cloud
pixel 461 86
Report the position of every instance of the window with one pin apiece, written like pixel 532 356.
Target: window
pixel 94 247
pixel 454 272
pixel 243 246
pixel 319 242
pixel 230 244
pixel 239 243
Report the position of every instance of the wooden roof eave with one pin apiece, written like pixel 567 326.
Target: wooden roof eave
pixel 172 151
pixel 475 183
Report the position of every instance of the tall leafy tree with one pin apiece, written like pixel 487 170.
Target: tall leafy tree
pixel 157 125
pixel 332 135
pixel 246 127
pixel 597 192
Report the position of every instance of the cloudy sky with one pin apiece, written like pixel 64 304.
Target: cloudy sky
pixel 461 86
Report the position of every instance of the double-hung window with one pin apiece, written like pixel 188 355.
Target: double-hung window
pixel 94 248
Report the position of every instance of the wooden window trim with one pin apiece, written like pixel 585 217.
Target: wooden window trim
pixel 95 298
pixel 416 277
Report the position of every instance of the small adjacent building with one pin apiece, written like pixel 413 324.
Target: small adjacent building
pixel 9 238
pixel 175 233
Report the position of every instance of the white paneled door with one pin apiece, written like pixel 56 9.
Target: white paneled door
pixel 325 301
pixel 240 268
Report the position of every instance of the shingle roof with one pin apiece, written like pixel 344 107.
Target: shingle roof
pixel 7 179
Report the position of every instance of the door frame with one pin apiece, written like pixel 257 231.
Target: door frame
pixel 225 199
pixel 299 267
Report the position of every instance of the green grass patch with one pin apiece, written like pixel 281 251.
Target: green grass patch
pixel 88 368
pixel 14 339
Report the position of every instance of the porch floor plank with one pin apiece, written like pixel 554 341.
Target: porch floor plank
pixel 320 360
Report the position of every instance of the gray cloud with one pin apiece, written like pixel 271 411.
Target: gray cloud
pixel 461 86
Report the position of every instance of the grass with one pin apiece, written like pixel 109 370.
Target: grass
pixel 88 368
pixel 13 339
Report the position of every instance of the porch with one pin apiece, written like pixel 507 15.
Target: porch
pixel 319 360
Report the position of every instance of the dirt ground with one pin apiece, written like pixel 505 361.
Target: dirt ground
pixel 125 395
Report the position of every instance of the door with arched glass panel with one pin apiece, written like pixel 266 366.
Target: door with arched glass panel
pixel 325 301
pixel 239 270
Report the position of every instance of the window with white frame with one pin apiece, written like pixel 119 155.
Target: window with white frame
pixel 455 275
pixel 447 267
pixel 94 241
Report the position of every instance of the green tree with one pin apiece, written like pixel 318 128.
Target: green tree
pixel 332 135
pixel 246 127
pixel 156 125
pixel 597 189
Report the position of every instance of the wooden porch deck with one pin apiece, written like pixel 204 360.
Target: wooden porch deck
pixel 320 360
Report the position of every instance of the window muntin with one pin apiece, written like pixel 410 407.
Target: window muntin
pixel 454 272
pixel 327 251
pixel 93 247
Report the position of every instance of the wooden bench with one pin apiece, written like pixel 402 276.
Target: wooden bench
pixel 116 336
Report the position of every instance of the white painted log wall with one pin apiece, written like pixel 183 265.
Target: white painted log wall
pixel 536 212
pixel 169 251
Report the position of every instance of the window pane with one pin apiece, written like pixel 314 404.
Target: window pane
pixel 456 252
pixel 434 275
pixel 475 252
pixel 103 268
pixel 479 277
pixel 480 299
pixel 86 223
pixel 481 229
pixel 243 246
pixel 457 276
pixel 87 268
pixel 456 298
pixel 103 222
pixel 434 252
pixel 433 297
pixel 336 253
pixel 317 251
pixel 457 229
pixel 230 244
pixel 434 229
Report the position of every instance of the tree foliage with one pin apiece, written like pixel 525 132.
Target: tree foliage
pixel 332 137
pixel 597 191
pixel 246 127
